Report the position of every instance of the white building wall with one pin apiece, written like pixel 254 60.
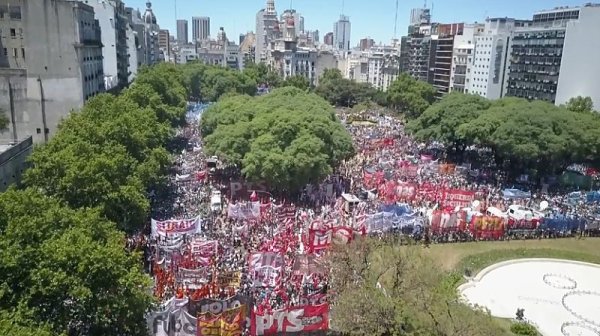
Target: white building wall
pixel 132 51
pixel 106 16
pixel 580 65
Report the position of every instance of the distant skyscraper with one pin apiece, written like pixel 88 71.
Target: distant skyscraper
pixel 420 16
pixel 366 43
pixel 182 32
pixel 301 24
pixel 328 39
pixel 341 33
pixel 200 28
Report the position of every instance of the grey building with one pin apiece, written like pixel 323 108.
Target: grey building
pixel 13 161
pixel 182 32
pixel 341 33
pixel 200 28
pixel 267 30
pixel 146 33
pixel 50 65
pixel 112 16
pixel 536 54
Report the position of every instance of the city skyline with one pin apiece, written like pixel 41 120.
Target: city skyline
pixel 376 23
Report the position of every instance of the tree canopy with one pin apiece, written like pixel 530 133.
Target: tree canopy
pixel 286 138
pixel 297 81
pixel 531 135
pixel 580 104
pixel 410 96
pixel 67 268
pixel 340 91
pixel 380 289
pixel 209 83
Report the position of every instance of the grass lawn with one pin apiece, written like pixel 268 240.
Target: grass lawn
pixel 455 258
pixel 478 255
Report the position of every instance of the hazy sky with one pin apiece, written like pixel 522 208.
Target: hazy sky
pixel 374 18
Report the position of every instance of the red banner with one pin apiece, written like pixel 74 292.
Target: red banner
pixel 487 227
pixel 446 221
pixel 265 268
pixel 288 321
pixel 322 239
pixel 406 191
pixel 457 197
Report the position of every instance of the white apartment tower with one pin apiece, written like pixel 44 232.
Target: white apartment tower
pixel 487 75
pixel 341 33
pixel 462 57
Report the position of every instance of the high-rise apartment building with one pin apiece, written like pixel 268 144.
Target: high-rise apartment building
pixel 341 33
pixel 200 28
pixel 553 53
pixel 491 55
pixel 420 17
pixel 366 43
pixel 50 65
pixel 580 68
pixel 164 43
pixel 182 32
pixel 462 57
pixel 113 20
pixel 267 28
pixel 328 39
pixel 378 66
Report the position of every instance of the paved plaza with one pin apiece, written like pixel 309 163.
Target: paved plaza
pixel 560 297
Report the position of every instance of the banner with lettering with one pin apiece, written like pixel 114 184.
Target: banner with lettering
pixel 172 319
pixel 307 264
pixel 322 239
pixel 406 191
pixel 229 279
pixel 265 268
pixel 229 323
pixel 290 321
pixel 204 248
pixel 216 307
pixel 447 221
pixel 193 278
pixel 457 198
pixel 487 227
pixel 245 210
pixel 175 227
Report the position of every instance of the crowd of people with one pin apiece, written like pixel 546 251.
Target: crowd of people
pixel 263 251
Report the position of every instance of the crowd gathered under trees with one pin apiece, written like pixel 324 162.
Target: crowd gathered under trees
pixel 63 266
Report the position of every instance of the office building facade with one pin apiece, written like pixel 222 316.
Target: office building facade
pixel 200 28
pixel 182 32
pixel 341 33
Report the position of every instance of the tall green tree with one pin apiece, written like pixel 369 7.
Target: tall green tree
pixel 410 96
pixel 442 120
pixel 580 104
pixel 287 138
pixel 340 91
pixel 68 268
pixel 262 74
pixel 380 289
pixel 297 81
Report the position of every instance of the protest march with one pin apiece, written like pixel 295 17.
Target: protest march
pixel 231 257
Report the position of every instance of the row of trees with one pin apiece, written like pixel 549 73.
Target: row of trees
pixel 63 266
pixel 528 135
pixel 287 138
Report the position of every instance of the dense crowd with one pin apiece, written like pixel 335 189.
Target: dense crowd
pixel 263 248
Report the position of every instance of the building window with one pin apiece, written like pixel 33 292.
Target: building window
pixel 23 53
pixel 13 32
pixel 38 131
pixel 15 52
pixel 15 12
pixel 5 52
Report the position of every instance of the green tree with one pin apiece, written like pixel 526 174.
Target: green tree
pixel 380 289
pixel 536 135
pixel 410 96
pixel 3 120
pixel 340 91
pixel 580 104
pixel 297 81
pixel 287 138
pixel 442 120
pixel 262 74
pixel 68 268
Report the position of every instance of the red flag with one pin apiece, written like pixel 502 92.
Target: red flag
pixel 254 196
